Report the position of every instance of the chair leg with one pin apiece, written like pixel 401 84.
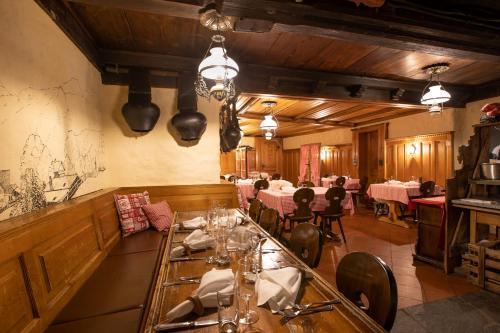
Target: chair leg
pixel 341 230
pixel 315 218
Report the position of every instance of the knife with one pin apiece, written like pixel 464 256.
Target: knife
pixel 186 259
pixel 185 325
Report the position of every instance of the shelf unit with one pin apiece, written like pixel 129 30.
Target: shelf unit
pixel 493 182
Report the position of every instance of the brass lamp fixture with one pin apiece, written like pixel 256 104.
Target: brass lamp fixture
pixel 434 95
pixel 269 124
pixel 217 70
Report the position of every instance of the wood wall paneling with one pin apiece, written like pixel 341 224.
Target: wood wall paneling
pixel 291 160
pixel 228 162
pixel 336 160
pixel 47 255
pixel 371 145
pixel 427 156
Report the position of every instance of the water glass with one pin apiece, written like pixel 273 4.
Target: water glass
pixel 221 252
pixel 228 312
pixel 245 278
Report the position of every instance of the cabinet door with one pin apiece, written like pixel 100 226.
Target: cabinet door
pixel 251 165
pixel 269 156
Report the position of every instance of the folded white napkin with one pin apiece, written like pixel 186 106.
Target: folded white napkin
pixel 197 240
pixel 393 182
pixel 245 181
pixel 239 239
pixel 280 285
pixel 206 295
pixel 285 183
pixel 288 189
pixel 195 223
pixel 325 179
pixel 275 185
pixel 227 175
pixel 412 183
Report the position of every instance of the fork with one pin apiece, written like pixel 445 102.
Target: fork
pixel 315 304
pixel 290 314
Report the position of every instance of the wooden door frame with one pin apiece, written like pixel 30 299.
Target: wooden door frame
pixel 382 131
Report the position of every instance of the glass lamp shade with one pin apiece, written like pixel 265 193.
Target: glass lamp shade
pixel 435 95
pixel 435 109
pixel 268 135
pixel 268 123
pixel 217 66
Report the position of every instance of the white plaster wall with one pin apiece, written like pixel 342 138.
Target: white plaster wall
pixel 155 158
pixel 333 137
pixel 49 96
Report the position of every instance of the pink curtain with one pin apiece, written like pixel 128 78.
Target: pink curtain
pixel 304 152
pixel 310 154
pixel 315 164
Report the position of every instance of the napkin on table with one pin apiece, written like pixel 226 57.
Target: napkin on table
pixel 412 183
pixel 195 223
pixel 206 295
pixel 288 189
pixel 281 285
pixel 197 240
pixel 245 181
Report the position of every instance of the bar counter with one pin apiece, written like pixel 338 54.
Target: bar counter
pixel 345 317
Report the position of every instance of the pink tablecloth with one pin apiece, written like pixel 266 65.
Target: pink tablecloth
pixel 245 191
pixel 283 202
pixel 400 193
pixel 350 184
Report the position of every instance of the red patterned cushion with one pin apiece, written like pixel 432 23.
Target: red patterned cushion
pixel 160 215
pixel 132 217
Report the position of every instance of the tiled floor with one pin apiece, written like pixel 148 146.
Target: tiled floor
pixel 417 283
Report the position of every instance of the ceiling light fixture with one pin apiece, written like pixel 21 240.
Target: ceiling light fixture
pixel 216 69
pixel 434 95
pixel 270 124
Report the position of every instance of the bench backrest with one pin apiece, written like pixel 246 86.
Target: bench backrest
pixel 47 255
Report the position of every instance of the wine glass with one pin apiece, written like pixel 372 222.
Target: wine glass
pixel 246 290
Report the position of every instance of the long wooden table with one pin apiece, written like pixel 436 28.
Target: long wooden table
pixel 345 317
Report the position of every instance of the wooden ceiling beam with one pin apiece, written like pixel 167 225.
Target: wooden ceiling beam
pixel 185 9
pixel 398 115
pixel 387 26
pixel 252 115
pixel 253 79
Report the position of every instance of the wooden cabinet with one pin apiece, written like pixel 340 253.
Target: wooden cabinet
pixel 430 221
pixel 228 162
pixel 245 161
pixel 269 155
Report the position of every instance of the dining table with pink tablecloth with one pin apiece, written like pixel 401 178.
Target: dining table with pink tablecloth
pixel 284 204
pixel 393 193
pixel 245 192
pixel 396 192
pixel 350 183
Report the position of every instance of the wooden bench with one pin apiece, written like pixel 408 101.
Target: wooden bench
pixel 67 265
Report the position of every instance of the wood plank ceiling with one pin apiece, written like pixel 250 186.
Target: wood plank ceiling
pixel 302 116
pixel 328 64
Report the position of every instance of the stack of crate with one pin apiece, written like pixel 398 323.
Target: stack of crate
pixel 482 262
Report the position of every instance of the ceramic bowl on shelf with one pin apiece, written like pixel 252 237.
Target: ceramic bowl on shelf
pixel 491 171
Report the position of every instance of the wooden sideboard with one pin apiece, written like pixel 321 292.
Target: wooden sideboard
pixel 47 255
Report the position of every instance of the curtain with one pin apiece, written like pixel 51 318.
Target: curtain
pixel 310 155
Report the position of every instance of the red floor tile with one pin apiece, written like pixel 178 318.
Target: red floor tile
pixel 417 282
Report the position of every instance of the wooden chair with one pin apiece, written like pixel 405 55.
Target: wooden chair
pixel 303 213
pixel 270 221
pixel 360 195
pixel 260 184
pixel 340 181
pixel 427 189
pixel 276 176
pixel 254 210
pixel 361 273
pixel 232 178
pixel 222 178
pixel 306 243
pixel 306 184
pixel 333 212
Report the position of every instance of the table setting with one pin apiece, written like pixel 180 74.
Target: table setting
pixel 351 184
pixel 282 200
pixel 260 288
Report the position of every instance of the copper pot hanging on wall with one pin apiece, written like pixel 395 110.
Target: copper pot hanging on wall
pixel 140 114
pixel 189 123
